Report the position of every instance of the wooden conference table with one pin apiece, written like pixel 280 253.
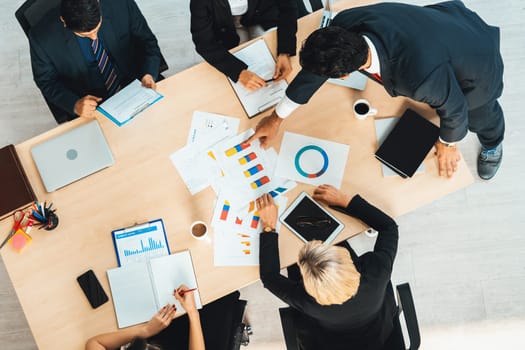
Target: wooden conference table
pixel 144 185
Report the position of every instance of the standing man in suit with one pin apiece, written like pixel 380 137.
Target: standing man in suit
pixel 444 55
pixel 86 50
pixel 217 26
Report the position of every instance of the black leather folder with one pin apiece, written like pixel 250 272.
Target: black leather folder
pixel 15 190
pixel 407 145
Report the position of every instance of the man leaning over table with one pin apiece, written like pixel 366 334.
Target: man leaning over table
pixel 84 51
pixel 444 55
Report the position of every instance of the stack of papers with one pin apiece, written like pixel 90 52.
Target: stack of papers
pixel 239 173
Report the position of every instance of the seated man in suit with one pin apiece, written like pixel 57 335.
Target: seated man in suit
pixel 343 296
pixel 86 50
pixel 444 55
pixel 219 25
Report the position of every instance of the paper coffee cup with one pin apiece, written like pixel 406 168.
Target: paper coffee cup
pixel 362 109
pixel 199 230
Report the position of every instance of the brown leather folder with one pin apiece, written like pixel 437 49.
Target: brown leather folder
pixel 15 190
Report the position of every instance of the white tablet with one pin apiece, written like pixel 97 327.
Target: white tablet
pixel 309 221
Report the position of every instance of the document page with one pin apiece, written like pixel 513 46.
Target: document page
pixel 260 61
pixel 128 102
pixel 169 272
pixel 132 294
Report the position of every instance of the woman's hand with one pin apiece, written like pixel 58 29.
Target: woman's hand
pixel 160 320
pixel 267 210
pixel 330 195
pixel 186 299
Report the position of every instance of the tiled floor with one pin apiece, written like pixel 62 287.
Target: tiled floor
pixel 463 255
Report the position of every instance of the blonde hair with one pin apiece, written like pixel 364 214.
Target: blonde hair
pixel 329 274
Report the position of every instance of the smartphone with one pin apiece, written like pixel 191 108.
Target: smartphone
pixel 92 289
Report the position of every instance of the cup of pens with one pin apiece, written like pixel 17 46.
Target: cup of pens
pixel 44 215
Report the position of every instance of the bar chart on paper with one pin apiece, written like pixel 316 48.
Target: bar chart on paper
pixel 140 243
pixel 152 246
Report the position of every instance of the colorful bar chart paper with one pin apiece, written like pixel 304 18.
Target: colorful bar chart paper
pixel 236 149
pixel 260 182
pixel 225 210
pixel 247 158
pixel 253 170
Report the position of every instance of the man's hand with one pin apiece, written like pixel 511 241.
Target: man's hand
pixel 267 210
pixel 161 320
pixel 283 67
pixel 250 80
pixel 266 129
pixel 86 106
pixel 187 299
pixel 448 158
pixel 148 82
pixel 330 195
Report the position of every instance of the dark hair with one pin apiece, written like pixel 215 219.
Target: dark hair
pixel 142 344
pixel 333 52
pixel 80 15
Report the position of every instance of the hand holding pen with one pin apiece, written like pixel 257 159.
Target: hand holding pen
pixel 186 297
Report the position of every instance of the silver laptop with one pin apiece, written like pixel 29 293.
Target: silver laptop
pixel 72 155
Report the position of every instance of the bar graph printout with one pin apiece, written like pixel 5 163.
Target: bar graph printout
pixel 141 242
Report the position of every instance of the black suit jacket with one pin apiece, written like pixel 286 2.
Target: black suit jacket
pixel 213 31
pixel 366 318
pixel 60 70
pixel 442 54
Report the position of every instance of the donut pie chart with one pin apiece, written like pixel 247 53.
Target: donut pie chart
pixel 310 174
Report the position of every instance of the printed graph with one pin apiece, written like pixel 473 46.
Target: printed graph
pixel 152 245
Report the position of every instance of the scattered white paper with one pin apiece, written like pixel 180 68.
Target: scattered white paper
pixel 237 232
pixel 311 160
pixel 209 128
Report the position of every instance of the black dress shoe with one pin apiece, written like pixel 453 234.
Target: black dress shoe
pixel 489 161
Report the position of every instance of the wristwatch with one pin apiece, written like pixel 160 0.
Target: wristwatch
pixel 268 229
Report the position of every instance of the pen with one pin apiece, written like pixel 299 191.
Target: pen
pixel 269 80
pixel 182 292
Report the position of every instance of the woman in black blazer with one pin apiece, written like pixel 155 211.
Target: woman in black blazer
pixel 214 33
pixel 344 297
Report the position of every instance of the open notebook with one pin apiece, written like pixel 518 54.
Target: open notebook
pixel 139 290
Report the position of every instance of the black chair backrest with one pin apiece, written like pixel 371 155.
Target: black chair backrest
pixel 32 11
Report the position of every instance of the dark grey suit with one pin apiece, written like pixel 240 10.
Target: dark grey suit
pixel 60 70
pixel 442 54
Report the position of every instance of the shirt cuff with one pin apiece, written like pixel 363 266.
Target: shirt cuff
pixel 286 107
pixel 447 143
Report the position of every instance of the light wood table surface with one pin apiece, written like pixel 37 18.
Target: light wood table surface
pixel 144 185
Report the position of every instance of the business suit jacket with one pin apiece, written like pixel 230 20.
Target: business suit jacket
pixel 59 68
pixel 442 54
pixel 365 319
pixel 213 31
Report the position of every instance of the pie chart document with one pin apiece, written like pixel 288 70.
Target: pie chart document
pixel 311 160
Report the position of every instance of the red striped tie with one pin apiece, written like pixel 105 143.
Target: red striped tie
pixel 377 77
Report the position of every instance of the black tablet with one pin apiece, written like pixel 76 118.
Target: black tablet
pixel 309 221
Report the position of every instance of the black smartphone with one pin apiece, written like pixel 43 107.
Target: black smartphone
pixel 92 289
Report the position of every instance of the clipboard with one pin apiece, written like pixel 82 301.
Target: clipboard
pixel 140 242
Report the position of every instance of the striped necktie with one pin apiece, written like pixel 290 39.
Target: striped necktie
pixel 105 67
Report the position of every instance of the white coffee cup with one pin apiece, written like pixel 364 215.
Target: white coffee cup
pixel 370 232
pixel 362 109
pixel 199 230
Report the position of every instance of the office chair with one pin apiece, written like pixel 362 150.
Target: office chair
pixel 405 306
pixel 28 15
pixel 222 324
